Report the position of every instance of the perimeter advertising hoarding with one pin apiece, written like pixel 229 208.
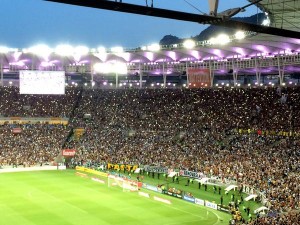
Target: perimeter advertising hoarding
pixel 198 77
pixel 211 205
pixel 189 198
pixel 199 201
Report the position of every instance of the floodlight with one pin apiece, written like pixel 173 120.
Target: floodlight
pixel 103 68
pixel 223 39
pixel 41 50
pixel 64 50
pixel 120 68
pixel 117 49
pixel 212 41
pixel 101 49
pixel 154 47
pixel 240 35
pixel 104 83
pixel 189 44
pixel 266 22
pixel 93 83
pixel 81 50
pixel 4 49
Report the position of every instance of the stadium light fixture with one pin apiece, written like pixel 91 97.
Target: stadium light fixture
pixel 41 50
pixel 154 47
pixel 81 50
pixel 212 41
pixel 102 68
pixel 189 44
pixel 117 49
pixel 266 22
pixel 240 35
pixel 223 39
pixel 64 50
pixel 4 49
pixel 120 68
pixel 101 49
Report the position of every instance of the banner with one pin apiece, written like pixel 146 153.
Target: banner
pixel 156 169
pixel 17 130
pixel 198 77
pixel 187 173
pixel 68 152
pixel 122 167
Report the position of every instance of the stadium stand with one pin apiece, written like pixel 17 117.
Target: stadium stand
pixel 250 136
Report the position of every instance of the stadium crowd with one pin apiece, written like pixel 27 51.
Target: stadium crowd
pixel 33 144
pixel 181 128
pixel 18 105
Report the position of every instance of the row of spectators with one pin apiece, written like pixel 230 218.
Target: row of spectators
pixel 18 105
pixel 35 144
pixel 179 128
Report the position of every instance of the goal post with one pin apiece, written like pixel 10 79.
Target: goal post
pixel 126 184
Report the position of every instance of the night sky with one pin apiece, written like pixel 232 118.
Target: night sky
pixel 29 22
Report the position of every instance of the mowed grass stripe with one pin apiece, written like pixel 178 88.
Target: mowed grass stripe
pixel 60 197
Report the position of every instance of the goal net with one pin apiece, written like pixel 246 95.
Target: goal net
pixel 125 184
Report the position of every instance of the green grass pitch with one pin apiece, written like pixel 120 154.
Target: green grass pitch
pixel 62 198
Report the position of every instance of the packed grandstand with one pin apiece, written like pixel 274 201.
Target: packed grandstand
pixel 248 136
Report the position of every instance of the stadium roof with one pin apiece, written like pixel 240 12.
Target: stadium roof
pixel 256 45
pixel 283 13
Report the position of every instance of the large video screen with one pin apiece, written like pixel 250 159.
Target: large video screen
pixel 42 82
